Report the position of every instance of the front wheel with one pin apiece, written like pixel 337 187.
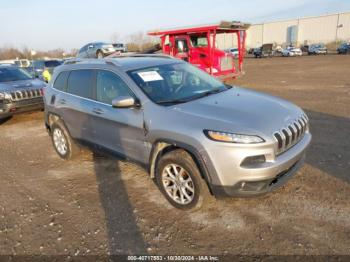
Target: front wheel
pixel 180 181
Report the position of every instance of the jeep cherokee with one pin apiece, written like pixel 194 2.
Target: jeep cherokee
pixel 19 93
pixel 197 136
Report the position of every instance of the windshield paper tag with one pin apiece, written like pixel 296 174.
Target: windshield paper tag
pixel 150 76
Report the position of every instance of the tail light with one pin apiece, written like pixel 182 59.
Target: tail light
pixel 42 92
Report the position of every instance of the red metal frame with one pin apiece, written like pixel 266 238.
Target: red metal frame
pixel 208 58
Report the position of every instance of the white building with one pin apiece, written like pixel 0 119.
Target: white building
pixel 332 28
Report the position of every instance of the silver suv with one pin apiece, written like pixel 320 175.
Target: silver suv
pixel 197 136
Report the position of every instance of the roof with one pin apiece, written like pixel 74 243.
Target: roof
pixel 127 63
pixel 222 27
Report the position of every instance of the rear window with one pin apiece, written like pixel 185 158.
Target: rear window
pixel 80 83
pixel 61 81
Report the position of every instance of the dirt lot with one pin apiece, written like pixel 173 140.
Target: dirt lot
pixel 99 205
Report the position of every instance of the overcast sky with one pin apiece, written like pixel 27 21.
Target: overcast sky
pixel 50 24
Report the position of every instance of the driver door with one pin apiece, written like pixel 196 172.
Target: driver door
pixel 117 129
pixel 181 49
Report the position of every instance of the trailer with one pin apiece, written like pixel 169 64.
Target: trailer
pixel 197 45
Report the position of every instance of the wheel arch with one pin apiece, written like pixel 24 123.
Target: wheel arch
pixel 161 147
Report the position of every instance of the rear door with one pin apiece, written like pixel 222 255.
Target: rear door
pixel 76 104
pixel 117 129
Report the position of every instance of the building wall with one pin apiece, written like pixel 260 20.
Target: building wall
pixel 326 29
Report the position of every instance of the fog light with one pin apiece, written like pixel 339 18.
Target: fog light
pixel 253 160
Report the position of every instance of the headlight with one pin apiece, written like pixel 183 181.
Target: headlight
pixel 232 138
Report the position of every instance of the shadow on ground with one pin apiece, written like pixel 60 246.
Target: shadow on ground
pixel 330 147
pixel 123 233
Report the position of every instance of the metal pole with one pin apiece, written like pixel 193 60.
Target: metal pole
pixel 336 32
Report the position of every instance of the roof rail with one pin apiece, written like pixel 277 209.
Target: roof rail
pixel 72 61
pixel 139 55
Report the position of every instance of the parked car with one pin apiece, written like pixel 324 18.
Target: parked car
pixel 344 48
pixel 292 51
pixel 317 49
pixel 96 50
pixel 37 67
pixel 233 51
pixel 264 51
pixel 19 92
pixel 196 135
pixel 120 47
pixel 16 62
pixel 305 48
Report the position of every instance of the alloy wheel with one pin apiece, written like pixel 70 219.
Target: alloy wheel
pixel 60 141
pixel 178 184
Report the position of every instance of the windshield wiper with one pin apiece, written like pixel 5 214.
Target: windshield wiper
pixel 203 94
pixel 210 92
pixel 171 102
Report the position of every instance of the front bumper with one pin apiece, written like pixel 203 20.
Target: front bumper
pixel 233 179
pixel 17 107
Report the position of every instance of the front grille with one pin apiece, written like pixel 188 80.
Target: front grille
pixel 226 63
pixel 25 94
pixel 290 135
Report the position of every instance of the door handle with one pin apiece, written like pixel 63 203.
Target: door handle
pixel 62 101
pixel 97 111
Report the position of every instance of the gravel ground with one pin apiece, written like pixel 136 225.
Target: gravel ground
pixel 100 205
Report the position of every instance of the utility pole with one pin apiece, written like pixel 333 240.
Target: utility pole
pixel 336 32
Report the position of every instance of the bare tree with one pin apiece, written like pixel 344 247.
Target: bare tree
pixel 140 41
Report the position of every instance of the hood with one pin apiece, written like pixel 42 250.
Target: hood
pixel 21 85
pixel 241 110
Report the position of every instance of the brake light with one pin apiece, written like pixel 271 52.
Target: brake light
pixel 42 91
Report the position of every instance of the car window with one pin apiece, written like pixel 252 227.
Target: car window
pixel 38 64
pixel 199 41
pixel 83 49
pixel 165 84
pixel 52 63
pixel 61 81
pixel 110 86
pixel 13 74
pixel 80 83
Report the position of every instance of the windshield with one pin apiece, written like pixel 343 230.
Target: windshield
pixel 13 74
pixel 175 83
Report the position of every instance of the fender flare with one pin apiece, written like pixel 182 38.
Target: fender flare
pixel 161 144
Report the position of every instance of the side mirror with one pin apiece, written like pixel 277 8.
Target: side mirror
pixel 125 102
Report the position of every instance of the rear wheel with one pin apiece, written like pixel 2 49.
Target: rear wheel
pixel 62 141
pixel 179 179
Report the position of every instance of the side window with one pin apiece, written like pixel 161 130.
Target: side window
pixel 181 45
pixel 80 83
pixel 61 81
pixel 109 86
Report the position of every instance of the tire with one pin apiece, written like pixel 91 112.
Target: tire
pixel 62 141
pixel 99 54
pixel 168 172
